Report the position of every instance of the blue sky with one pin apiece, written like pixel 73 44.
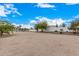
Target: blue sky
pixel 26 13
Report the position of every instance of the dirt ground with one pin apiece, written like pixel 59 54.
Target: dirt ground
pixel 39 44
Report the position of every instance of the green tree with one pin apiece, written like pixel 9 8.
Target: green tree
pixel 41 25
pixel 63 25
pixel 5 27
pixel 37 26
pixel 74 25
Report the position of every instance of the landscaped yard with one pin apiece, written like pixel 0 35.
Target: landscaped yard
pixel 35 44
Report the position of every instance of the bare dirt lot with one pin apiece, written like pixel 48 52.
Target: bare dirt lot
pixel 39 44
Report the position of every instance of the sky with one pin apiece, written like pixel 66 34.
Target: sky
pixel 28 14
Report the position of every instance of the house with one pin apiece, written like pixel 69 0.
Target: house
pixel 57 29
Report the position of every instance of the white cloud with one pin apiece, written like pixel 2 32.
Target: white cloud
pixel 2 11
pixel 44 5
pixel 51 22
pixel 15 24
pixel 18 13
pixel 25 26
pixel 71 3
pixel 33 22
pixel 42 18
pixel 58 21
pixel 22 25
pixel 7 12
pixel 77 16
pixel 8 9
pixel 8 5
pixel 15 10
pixel 68 20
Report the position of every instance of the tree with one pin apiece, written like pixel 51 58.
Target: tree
pixel 63 25
pixel 37 26
pixel 43 25
pixel 74 25
pixel 5 27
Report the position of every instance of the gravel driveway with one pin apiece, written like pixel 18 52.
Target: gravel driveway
pixel 39 44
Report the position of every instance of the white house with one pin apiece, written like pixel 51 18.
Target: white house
pixel 54 28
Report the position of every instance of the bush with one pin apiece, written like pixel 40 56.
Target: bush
pixel 55 31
